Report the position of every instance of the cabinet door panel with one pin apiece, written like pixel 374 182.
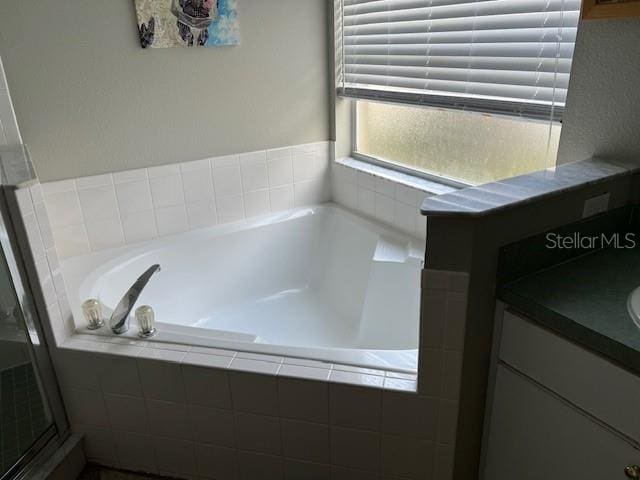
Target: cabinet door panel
pixel 534 435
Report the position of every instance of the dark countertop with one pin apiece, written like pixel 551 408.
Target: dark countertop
pixel 585 300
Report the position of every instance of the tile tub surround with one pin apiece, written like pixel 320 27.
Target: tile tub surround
pixel 193 412
pixel 94 213
pixel 42 266
pixel 390 197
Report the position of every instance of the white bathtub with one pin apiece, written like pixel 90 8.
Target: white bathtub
pixel 317 283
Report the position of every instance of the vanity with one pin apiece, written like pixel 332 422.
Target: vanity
pixel 564 388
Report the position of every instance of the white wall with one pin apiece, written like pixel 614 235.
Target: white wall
pixel 604 97
pixel 89 100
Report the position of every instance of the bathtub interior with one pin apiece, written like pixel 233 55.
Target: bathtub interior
pixel 319 279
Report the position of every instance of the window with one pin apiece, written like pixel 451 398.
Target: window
pixel 470 90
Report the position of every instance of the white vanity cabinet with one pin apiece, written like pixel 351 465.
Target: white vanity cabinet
pixel 558 411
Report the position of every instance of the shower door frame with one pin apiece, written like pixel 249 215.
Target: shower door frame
pixel 56 433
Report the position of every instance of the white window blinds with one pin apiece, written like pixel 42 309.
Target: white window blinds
pixel 501 56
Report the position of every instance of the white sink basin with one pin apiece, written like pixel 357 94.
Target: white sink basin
pixel 634 306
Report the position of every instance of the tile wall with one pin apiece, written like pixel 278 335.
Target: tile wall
pixel 103 211
pixel 199 413
pixel 370 191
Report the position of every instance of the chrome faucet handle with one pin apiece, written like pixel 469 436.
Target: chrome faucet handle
pixel 119 321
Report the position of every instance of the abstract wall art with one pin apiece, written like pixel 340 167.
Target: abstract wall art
pixel 187 23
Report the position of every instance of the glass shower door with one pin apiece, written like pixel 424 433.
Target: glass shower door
pixel 26 422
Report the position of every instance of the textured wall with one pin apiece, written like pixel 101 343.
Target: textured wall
pixel 89 100
pixel 604 95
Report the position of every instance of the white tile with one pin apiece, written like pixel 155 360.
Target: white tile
pixel 85 406
pixel 259 466
pixel 280 171
pixel 431 371
pixel 139 226
pixel 53 260
pixel 224 161
pixel 37 194
pixel 303 399
pixel 444 462
pixel 64 208
pixel 174 456
pixel 169 355
pixel 33 236
pixel 321 164
pixel 304 167
pixel 227 180
pixel 164 171
pixel 366 201
pixel 204 360
pixel 257 366
pixel 256 203
pixel 201 214
pixel 352 378
pixel 171 219
pixel 216 463
pixel 134 196
pixel 385 187
pixel 98 443
pixel 98 203
pixel 310 193
pixel 260 356
pixel 299 371
pixel 106 234
pixel 305 441
pixel 278 153
pixel 161 380
pixel 214 351
pixel 421 225
pixel 455 320
pixel 452 374
pixel 117 375
pixel 127 413
pixel 407 457
pixel 49 188
pixel 255 393
pixel 206 387
pixel 404 217
pixel 346 194
pixel 434 307
pixel 306 470
pixel 354 369
pixel 254 171
pixel 195 165
pixel 168 419
pixel 94 181
pixel 258 433
pixel 409 196
pixel 45 225
pixel 135 451
pixel 166 191
pixel 400 384
pixel 71 240
pixel 447 422
pixel 198 186
pixel 410 415
pixel 230 209
pixel 23 197
pixel 130 175
pixel 355 448
pixel 355 406
pixel 281 198
pixel 303 149
pixel 366 180
pixel 384 207
pixel 213 426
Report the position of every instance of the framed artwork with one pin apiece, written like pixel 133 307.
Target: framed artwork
pixel 187 23
pixel 594 9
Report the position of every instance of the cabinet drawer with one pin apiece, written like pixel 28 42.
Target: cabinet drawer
pixel 585 379
pixel 534 435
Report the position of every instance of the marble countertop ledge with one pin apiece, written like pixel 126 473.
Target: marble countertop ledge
pixel 505 194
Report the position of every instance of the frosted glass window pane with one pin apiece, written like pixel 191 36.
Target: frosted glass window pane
pixel 475 148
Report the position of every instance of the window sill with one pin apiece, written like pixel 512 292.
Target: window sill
pixel 412 181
